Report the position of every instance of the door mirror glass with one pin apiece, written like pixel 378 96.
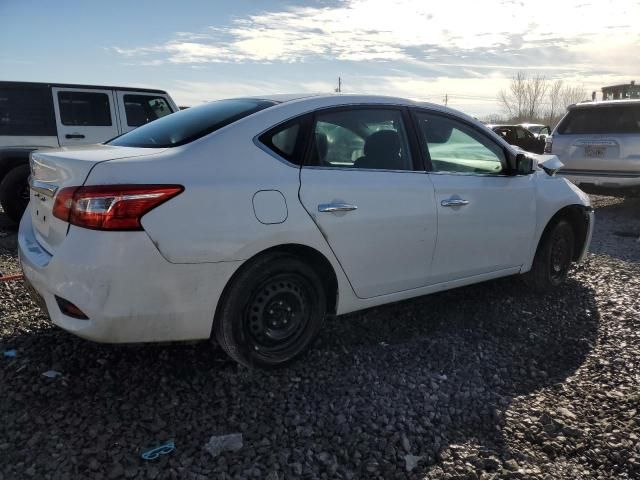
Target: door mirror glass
pixel 524 164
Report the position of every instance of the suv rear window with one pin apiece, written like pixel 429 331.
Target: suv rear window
pixel 26 111
pixel 188 125
pixel 605 119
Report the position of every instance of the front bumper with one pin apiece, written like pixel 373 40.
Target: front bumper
pixel 123 284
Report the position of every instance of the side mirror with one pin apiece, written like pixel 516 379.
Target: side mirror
pixel 524 164
pixel 542 136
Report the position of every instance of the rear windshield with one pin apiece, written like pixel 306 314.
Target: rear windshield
pixel 187 125
pixel 609 119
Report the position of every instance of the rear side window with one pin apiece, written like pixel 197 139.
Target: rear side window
pixel 141 109
pixel 287 139
pixel 188 125
pixel 85 109
pixel 26 111
pixel 609 119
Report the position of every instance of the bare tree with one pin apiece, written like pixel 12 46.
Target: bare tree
pixel 535 91
pixel 514 100
pixel 526 99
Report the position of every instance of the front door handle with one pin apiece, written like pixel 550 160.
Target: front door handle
pixel 454 202
pixel 336 207
pixel 74 135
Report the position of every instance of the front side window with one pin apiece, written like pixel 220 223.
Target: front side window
pixel 188 125
pixel 366 138
pixel 455 147
pixel 84 109
pixel 141 109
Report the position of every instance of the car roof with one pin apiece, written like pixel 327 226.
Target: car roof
pixel 12 84
pixel 605 103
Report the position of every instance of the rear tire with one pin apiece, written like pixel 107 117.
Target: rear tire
pixel 271 312
pixel 553 258
pixel 14 192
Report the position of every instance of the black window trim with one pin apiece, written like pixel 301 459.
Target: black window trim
pixel 49 129
pixel 416 164
pixel 508 169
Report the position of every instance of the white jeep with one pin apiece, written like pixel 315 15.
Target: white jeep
pixel 34 116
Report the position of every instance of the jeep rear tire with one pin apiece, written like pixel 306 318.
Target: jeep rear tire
pixel 14 192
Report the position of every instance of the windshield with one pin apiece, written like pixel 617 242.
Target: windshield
pixel 188 125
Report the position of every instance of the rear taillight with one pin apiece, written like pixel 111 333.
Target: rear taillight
pixel 111 207
pixel 548 144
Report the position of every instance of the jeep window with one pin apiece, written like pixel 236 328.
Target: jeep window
pixel 26 111
pixel 141 109
pixel 188 125
pixel 605 119
pixel 84 109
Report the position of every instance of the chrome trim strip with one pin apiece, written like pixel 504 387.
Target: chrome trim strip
pixel 43 188
pixel 599 173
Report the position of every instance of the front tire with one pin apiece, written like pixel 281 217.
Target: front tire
pixel 553 258
pixel 271 312
pixel 14 192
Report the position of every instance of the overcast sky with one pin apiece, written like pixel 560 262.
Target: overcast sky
pixel 204 50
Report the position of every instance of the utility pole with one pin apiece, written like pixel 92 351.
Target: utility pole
pixel 446 99
pixel 339 89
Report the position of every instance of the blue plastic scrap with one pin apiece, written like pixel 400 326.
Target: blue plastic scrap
pixel 10 353
pixel 154 453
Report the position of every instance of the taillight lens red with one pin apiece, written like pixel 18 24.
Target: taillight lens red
pixel 111 207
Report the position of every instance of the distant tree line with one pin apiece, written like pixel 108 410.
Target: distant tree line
pixel 537 99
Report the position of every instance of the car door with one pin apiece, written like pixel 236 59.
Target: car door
pixel 84 115
pixel 375 208
pixel 486 218
pixel 527 140
pixel 139 108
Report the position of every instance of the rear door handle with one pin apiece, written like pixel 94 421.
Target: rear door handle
pixel 74 135
pixel 336 207
pixel 454 202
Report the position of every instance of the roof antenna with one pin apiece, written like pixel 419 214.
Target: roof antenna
pixel 339 89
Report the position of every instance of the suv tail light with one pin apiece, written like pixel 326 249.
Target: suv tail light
pixel 111 207
pixel 548 144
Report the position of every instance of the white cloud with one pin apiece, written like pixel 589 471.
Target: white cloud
pixel 369 30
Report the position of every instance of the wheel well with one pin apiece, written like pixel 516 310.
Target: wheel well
pixel 576 216
pixel 309 255
pixel 8 163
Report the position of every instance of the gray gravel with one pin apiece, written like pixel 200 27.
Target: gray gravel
pixel 488 381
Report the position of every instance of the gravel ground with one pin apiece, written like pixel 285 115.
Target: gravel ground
pixel 487 381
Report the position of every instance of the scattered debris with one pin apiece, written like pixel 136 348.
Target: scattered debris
pixel 154 453
pixel 224 443
pixel 411 461
pixel 51 374
pixel 11 353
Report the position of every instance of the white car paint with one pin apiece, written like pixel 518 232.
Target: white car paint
pixel 164 283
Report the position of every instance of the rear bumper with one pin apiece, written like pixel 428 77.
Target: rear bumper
pixel 121 282
pixel 602 180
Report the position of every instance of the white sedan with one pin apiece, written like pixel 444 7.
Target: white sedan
pixel 252 219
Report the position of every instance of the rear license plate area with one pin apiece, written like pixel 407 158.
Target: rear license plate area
pixel 593 151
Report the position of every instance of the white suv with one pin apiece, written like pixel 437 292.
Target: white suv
pixel 599 144
pixel 46 115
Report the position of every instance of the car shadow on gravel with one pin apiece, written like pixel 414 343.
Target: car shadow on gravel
pixel 413 377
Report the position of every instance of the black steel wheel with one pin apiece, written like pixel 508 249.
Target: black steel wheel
pixel 14 192
pixel 271 312
pixel 553 257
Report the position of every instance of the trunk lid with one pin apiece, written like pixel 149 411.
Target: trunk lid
pixel 53 170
